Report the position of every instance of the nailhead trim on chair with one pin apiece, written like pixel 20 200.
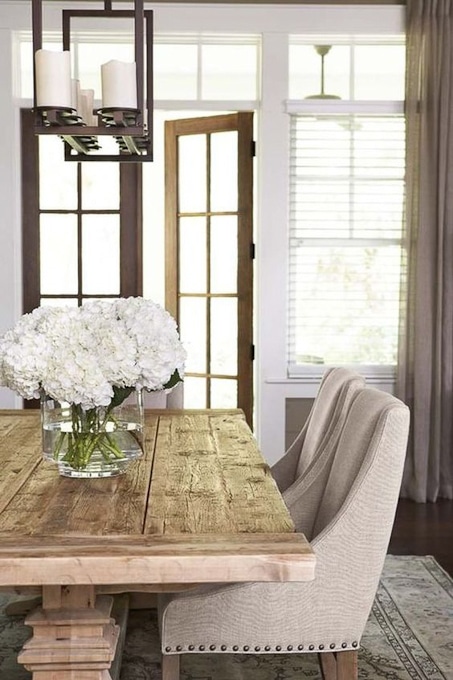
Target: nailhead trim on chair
pixel 267 648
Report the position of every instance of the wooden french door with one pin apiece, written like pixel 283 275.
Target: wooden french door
pixel 209 255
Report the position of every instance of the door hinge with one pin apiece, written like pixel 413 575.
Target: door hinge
pixel 253 149
pixel 252 251
pixel 252 352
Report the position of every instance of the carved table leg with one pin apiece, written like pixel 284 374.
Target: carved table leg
pixel 74 637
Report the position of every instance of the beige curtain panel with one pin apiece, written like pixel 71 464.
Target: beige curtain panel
pixel 425 366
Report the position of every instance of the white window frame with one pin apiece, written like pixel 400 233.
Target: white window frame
pixel 374 374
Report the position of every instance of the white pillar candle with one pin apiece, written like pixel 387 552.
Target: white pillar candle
pixel 119 85
pixel 85 107
pixel 53 79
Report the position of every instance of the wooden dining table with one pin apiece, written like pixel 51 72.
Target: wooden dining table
pixel 200 506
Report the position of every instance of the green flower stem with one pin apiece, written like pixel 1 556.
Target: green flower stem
pixel 88 435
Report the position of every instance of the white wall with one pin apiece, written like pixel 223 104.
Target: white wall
pixel 274 22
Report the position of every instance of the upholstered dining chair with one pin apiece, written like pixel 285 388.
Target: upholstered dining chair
pixel 352 526
pixel 336 391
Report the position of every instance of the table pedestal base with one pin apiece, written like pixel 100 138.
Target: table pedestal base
pixel 74 637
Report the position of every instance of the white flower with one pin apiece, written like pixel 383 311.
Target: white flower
pixel 80 355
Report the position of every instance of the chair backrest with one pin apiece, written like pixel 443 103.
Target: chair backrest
pixel 337 388
pixel 377 423
pixel 314 498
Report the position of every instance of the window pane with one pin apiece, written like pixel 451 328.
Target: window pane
pixel 58 254
pixel 229 72
pixel 192 255
pixel 224 393
pixel 193 333
pixel 175 71
pixel 92 55
pixel 224 172
pixel 224 253
pixel 192 173
pixel 101 255
pixel 347 176
pixel 57 177
pixel 345 236
pixel 346 308
pixel 379 72
pixel 224 336
pixel 305 71
pixel 195 392
pixel 58 302
pixel 100 186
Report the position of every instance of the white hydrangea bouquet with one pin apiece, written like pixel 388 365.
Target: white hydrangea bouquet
pixel 91 358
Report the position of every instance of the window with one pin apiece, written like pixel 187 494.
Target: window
pixel 346 212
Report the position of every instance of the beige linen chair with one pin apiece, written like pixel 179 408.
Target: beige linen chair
pixel 351 527
pixel 338 387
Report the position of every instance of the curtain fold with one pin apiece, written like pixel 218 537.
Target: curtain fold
pixel 425 362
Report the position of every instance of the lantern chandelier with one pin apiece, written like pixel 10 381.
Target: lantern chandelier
pixel 63 108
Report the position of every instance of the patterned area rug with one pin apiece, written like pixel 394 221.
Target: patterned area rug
pixel 409 636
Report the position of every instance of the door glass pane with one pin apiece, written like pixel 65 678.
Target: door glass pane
pixel 224 254
pixel 224 172
pixel 100 186
pixel 195 392
pixel 57 177
pixel 224 336
pixel 224 393
pixel 229 72
pixel 192 173
pixel 101 254
pixel 58 254
pixel 192 326
pixel 192 255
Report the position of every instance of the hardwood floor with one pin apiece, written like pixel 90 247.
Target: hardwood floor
pixel 424 529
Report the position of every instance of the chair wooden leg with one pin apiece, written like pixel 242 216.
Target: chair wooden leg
pixel 328 665
pixel 170 666
pixel 347 665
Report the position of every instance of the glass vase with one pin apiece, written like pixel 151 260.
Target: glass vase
pixel 97 442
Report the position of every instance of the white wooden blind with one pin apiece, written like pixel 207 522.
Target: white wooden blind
pixel 346 216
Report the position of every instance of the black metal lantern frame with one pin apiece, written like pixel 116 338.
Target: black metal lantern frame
pixel 131 128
